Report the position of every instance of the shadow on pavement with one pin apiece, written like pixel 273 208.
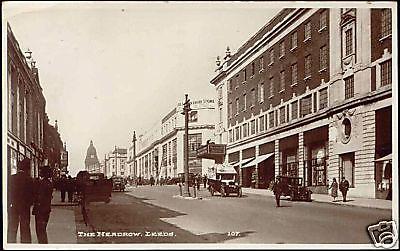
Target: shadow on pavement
pixel 139 222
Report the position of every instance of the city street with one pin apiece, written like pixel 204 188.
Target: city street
pixel 148 211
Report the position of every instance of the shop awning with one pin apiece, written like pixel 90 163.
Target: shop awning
pixel 243 162
pixel 385 158
pixel 257 160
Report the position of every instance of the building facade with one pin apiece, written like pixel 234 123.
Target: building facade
pixel 116 163
pixel 25 108
pixel 92 164
pixel 310 95
pixel 160 151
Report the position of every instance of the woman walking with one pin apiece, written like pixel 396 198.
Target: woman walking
pixel 334 192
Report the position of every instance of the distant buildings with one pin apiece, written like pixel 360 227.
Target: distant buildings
pixel 29 133
pixel 159 151
pixel 115 163
pixel 92 164
pixel 310 95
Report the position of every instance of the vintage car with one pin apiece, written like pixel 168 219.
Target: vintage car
pixel 118 184
pixel 293 187
pixel 223 179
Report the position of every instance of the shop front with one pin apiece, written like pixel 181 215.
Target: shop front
pixel 288 156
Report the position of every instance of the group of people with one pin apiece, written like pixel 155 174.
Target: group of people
pixel 343 187
pixel 23 193
pixel 67 185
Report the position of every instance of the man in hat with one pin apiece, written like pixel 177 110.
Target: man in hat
pixel 42 203
pixel 19 203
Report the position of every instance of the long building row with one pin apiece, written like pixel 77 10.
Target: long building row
pixel 310 95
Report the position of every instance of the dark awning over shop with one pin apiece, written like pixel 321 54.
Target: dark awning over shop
pixel 257 160
pixel 385 158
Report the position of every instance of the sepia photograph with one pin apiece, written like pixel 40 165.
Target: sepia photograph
pixel 199 125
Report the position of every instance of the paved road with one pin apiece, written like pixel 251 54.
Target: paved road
pixel 252 219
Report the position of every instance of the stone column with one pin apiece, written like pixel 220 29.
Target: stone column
pixel 257 173
pixel 240 167
pixel 276 157
pixel 301 154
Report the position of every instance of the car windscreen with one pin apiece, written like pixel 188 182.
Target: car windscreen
pixel 227 176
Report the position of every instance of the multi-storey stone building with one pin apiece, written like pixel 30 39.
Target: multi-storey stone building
pixel 92 164
pixel 310 95
pixel 116 163
pixel 160 151
pixel 25 108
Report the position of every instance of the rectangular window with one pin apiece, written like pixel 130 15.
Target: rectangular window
pixel 230 85
pixel 245 130
pixel 261 92
pixel 230 136
pixel 294 40
pixel 261 63
pixel 244 102
pixel 386 22
pixel 306 106
pixel 230 109
pixel 253 97
pixel 271 56
pixel 271 87
pixel 220 114
pixel 386 73
pixel 252 69
pixel 237 133
pixel 237 106
pixel 307 66
pixel 271 119
pixel 294 74
pixel 261 120
pixel 282 49
pixel 282 80
pixel 349 42
pixel 237 81
pixel 244 75
pixel 253 127
pixel 349 87
pixel 323 57
pixel 307 31
pixel 322 19
pixel 282 115
pixel 323 98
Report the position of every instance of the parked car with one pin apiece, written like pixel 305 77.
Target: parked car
pixel 293 187
pixel 118 184
pixel 223 179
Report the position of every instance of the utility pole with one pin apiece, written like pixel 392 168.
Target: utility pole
pixel 134 156
pixel 186 109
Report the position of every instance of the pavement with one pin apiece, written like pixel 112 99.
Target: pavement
pixel 61 227
pixel 325 198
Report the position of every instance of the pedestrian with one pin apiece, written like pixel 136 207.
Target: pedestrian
pixel 63 187
pixel 277 188
pixel 198 181
pixel 205 181
pixel 334 186
pixel 20 201
pixel 42 204
pixel 151 181
pixel 70 187
pixel 344 187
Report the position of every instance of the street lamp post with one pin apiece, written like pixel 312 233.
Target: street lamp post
pixel 186 109
pixel 134 156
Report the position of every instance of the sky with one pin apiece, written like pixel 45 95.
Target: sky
pixel 108 69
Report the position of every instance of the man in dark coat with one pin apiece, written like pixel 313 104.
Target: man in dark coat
pixel 277 188
pixel 344 187
pixel 42 204
pixel 63 187
pixel 20 201
pixel 70 188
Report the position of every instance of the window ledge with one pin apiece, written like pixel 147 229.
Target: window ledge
pixel 281 91
pixel 252 76
pixel 307 78
pixel 271 96
pixel 385 37
pixel 244 82
pixel 322 70
pixel 262 70
pixel 293 49
pixel 294 84
pixel 282 56
pixel 270 63
pixel 307 39
pixel 252 106
pixel 322 29
pixel 262 101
